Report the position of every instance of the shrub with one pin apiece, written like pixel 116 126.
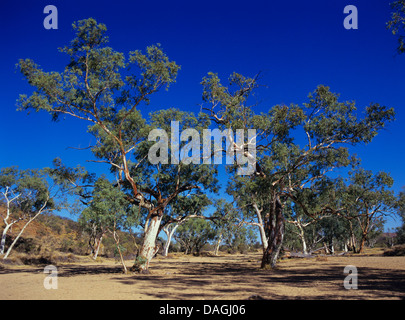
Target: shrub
pixel 398 250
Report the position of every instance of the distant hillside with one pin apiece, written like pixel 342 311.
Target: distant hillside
pixel 51 233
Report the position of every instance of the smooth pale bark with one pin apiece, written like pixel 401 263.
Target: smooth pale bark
pixel 260 225
pixel 97 249
pixel 25 226
pixel 3 238
pixel 149 247
pixel 301 234
pixel 216 251
pixel 19 235
pixel 302 238
pixel 6 218
pixel 169 233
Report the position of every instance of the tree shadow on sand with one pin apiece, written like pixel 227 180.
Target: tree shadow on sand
pixel 241 278
pixel 68 270
pixel 218 280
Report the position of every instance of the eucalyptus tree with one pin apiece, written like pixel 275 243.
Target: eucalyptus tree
pixel 400 238
pixel 313 204
pixel 283 166
pixel 193 234
pixel 397 23
pixel 226 220
pixel 251 198
pixel 183 208
pixel 108 211
pixel 27 194
pixel 107 89
pixel 368 199
pixel 187 179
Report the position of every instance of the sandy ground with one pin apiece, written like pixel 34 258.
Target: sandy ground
pixel 230 277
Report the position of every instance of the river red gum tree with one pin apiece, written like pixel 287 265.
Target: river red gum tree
pixel 284 167
pixel 106 89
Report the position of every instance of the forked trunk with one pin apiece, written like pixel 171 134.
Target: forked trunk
pixel 149 247
pixel 169 233
pixel 21 232
pixel 97 249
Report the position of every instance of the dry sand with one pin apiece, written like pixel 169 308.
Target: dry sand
pixel 230 277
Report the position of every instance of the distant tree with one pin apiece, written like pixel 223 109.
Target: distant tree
pixel 194 234
pixel 183 208
pixel 368 199
pixel 239 237
pixel 226 220
pixel 311 205
pixel 252 202
pixel 397 23
pixel 334 231
pixel 26 195
pixel 400 238
pixel 96 230
pixel 108 211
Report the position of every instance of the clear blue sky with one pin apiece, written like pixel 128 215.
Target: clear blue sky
pixel 297 45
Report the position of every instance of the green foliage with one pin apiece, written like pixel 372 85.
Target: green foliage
pixel 194 234
pixel 170 180
pixel 95 83
pixel 30 189
pixel 107 89
pixel 109 208
pixel 287 170
pixel 368 195
pixel 400 238
pixel 397 23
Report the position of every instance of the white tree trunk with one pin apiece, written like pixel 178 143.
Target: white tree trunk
pixel 3 238
pixel 21 232
pixel 302 238
pixel 218 244
pixel 169 233
pixel 97 248
pixel 149 247
pixel 5 219
pixel 261 227
pixel 25 226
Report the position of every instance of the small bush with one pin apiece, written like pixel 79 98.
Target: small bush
pixel 45 258
pixel 37 260
pixel 321 258
pixel 398 250
pixel 27 245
